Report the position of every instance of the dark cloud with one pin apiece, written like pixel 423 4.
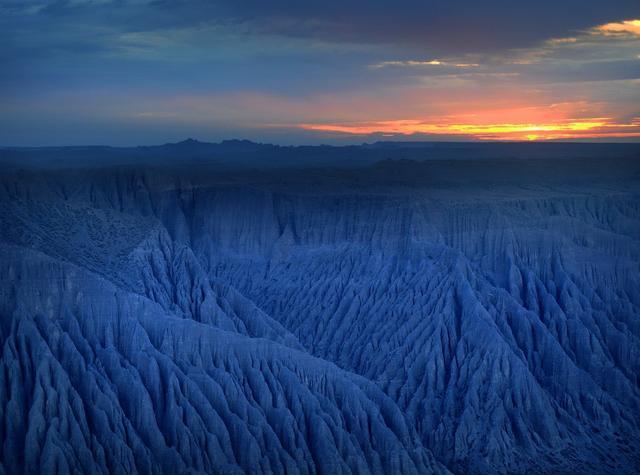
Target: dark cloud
pixel 443 25
pixel 446 25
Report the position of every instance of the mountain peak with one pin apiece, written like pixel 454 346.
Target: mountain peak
pixel 190 141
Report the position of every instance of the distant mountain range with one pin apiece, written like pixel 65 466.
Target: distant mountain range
pixel 248 154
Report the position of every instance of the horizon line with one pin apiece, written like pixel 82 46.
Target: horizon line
pixel 190 140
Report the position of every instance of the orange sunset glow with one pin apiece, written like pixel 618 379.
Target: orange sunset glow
pixel 472 98
pixel 628 27
pixel 586 128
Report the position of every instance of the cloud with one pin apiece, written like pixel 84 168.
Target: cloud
pixel 463 25
pixel 437 25
pixel 627 27
pixel 419 63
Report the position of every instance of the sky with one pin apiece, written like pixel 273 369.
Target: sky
pixel 131 72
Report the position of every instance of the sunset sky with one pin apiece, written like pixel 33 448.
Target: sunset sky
pixel 126 72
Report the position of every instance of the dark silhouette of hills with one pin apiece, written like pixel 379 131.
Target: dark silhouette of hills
pixel 248 154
